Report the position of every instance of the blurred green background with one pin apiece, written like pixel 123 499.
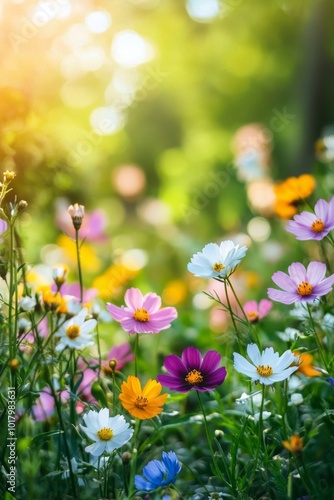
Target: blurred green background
pixel 174 117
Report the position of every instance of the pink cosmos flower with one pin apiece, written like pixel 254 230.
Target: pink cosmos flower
pixel 308 226
pixel 45 404
pixel 121 354
pixel 301 285
pixel 142 314
pixel 256 311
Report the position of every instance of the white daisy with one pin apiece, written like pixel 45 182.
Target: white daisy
pixel 109 433
pixel 268 367
pixel 75 332
pixel 217 261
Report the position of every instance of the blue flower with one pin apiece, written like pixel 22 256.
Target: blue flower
pixel 159 473
pixel 330 380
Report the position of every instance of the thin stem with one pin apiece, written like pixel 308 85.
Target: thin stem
pixel 136 353
pixel 134 457
pixel 217 470
pixel 231 313
pixel 79 264
pixel 318 340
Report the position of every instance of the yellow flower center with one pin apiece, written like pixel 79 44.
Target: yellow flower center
pixel 141 315
pixel 318 226
pixel 218 267
pixel 141 402
pixel 105 434
pixel 264 371
pixel 194 377
pixel 73 331
pixel 304 288
pixel 253 316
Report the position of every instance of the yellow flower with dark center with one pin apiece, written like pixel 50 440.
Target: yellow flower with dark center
pixel 142 403
pixel 291 193
pixel 294 444
pixel 305 365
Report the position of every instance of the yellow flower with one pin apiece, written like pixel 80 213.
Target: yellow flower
pixel 305 365
pixel 110 283
pixel 291 192
pixel 294 444
pixel 142 403
pixel 90 263
pixel 175 293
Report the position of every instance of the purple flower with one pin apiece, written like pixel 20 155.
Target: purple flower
pixel 301 285
pixel 256 311
pixel 308 226
pixel 191 371
pixel 142 314
pixel 3 227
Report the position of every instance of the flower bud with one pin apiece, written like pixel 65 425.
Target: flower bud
pixel 77 213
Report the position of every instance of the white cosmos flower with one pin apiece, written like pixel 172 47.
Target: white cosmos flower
pixel 217 261
pixel 109 433
pixel 268 367
pixel 76 332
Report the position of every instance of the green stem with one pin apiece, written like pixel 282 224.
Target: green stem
pixel 79 264
pixel 317 339
pixel 136 353
pixel 134 457
pixel 217 470
pixel 231 313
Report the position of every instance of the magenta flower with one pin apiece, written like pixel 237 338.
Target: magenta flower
pixel 44 406
pixel 301 285
pixel 308 226
pixel 142 314
pixel 256 311
pixel 121 354
pixel 191 371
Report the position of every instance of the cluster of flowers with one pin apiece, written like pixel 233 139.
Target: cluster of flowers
pixel 192 371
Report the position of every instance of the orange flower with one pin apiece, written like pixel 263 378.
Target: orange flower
pixel 305 365
pixel 291 192
pixel 294 444
pixel 142 403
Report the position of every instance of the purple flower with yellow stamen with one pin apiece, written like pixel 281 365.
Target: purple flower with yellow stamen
pixel 142 314
pixel 192 371
pixel 308 226
pixel 301 284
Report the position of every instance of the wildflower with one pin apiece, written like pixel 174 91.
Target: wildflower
pixel 93 224
pixel 291 192
pixel 296 399
pixel 121 354
pixel 268 367
pixel 217 261
pixel 44 406
pixel 256 311
pixel 301 285
pixel 309 226
pixel 159 473
pixel 27 303
pixel 8 176
pixel 191 371
pixel 305 365
pixel 142 314
pixel 51 300
pixel 75 332
pixel 77 213
pixel 142 403
pixel 109 433
pixel 59 274
pixel 3 228
pixel 294 444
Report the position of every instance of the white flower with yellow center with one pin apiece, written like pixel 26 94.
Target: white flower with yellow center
pixel 109 433
pixel 76 332
pixel 268 367
pixel 217 261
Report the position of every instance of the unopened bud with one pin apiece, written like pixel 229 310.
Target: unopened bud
pixel 113 364
pixel 77 213
pixel 126 457
pixel 14 363
pixel 22 205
